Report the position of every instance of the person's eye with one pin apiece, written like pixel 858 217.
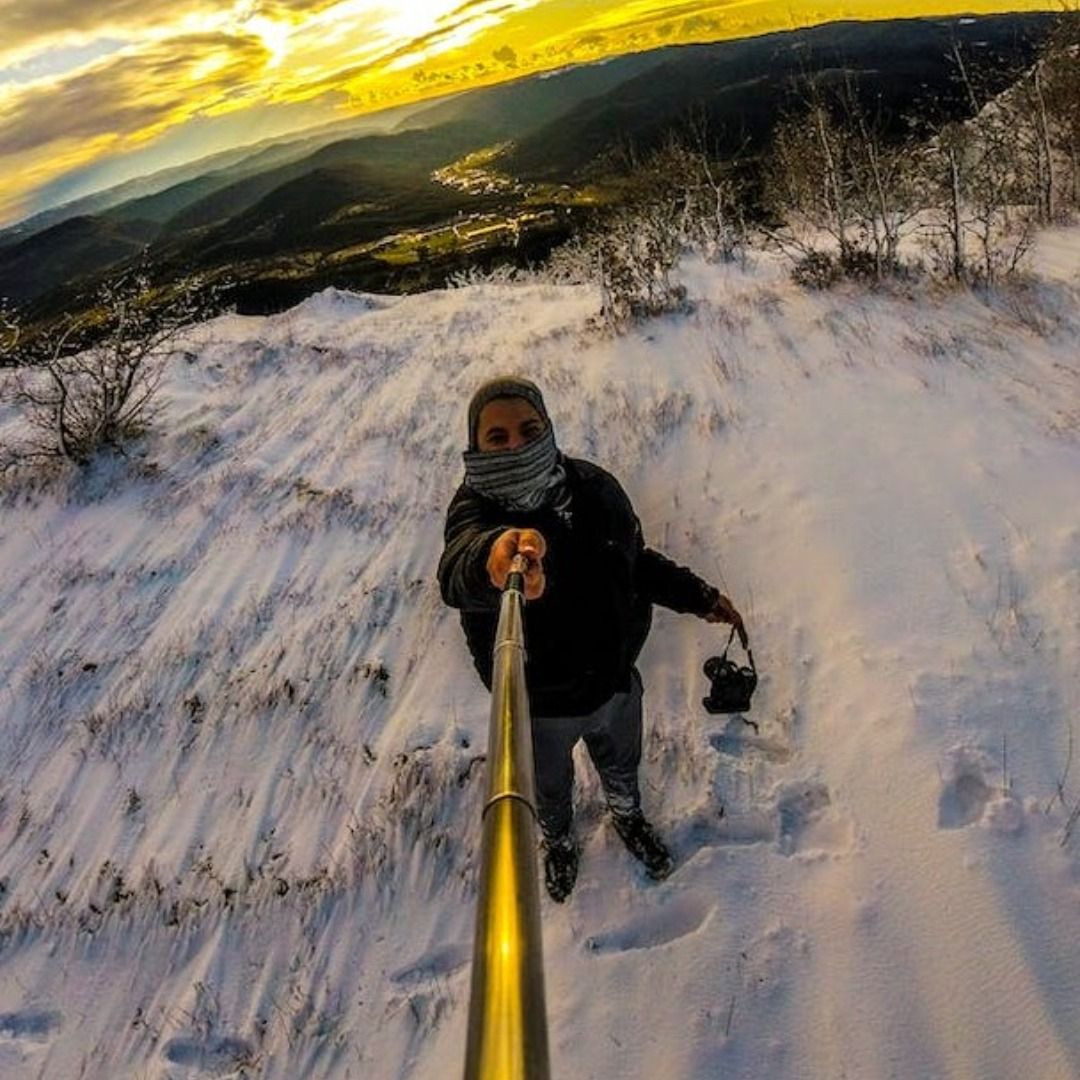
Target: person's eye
pixel 532 431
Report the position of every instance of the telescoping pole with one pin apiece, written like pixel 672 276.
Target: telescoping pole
pixel 507 1038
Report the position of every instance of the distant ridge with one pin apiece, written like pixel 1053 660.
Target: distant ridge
pixel 293 216
pixel 508 106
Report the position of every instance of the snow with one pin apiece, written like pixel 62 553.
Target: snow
pixel 241 738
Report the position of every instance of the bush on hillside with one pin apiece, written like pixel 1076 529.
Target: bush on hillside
pixel 677 200
pixel 90 384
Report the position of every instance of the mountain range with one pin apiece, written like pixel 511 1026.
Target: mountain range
pixel 282 219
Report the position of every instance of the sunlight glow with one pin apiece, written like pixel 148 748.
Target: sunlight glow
pixel 274 36
pixel 162 63
pixel 457 38
pixel 418 18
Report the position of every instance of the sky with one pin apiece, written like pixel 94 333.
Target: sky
pixel 96 91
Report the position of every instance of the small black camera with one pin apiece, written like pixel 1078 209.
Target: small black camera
pixel 732 684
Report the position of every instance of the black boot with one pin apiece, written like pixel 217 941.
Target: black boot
pixel 560 867
pixel 642 842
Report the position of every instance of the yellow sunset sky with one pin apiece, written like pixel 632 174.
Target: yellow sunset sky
pixel 94 91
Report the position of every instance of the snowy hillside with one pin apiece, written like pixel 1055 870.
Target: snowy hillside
pixel 241 741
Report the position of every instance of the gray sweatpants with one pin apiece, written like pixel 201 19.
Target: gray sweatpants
pixel 612 736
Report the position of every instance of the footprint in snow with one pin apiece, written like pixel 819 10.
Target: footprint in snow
pixel 22 1036
pixel 683 915
pixel 733 825
pixel 740 743
pixel 33 1025
pixel 218 1057
pixel 423 991
pixel 810 826
pixel 963 800
pixel 969 798
pixel 438 963
pixel 742 737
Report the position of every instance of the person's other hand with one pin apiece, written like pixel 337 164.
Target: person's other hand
pixel 725 611
pixel 531 546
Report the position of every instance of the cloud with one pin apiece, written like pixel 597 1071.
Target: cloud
pixel 30 24
pixel 137 70
pixel 414 49
pixel 151 82
pixel 457 33
pixel 488 7
pixel 132 94
pixel 46 19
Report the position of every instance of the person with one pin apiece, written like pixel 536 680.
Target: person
pixel 590 583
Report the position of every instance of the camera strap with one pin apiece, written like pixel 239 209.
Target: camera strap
pixel 749 651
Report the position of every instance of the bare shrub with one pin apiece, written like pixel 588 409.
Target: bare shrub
pixel 10 334
pixel 985 215
pixel 577 262
pixel 842 184
pixel 675 200
pixel 1053 93
pixel 706 192
pixel 90 383
pixel 816 270
pixel 637 254
pixel 630 255
pixel 499 274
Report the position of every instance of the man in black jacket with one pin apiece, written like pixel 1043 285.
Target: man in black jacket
pixel 590 583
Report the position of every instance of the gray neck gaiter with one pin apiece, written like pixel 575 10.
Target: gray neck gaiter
pixel 523 479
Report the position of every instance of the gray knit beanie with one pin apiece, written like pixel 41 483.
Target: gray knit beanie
pixel 505 386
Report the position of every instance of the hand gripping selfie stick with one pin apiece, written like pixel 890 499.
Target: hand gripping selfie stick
pixel 507 1035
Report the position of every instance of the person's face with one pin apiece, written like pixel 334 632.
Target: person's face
pixel 507 424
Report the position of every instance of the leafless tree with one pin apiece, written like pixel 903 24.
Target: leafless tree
pixel 946 172
pixel 10 335
pixel 809 187
pixel 91 383
pixel 674 200
pixel 706 188
pixel 841 170
pixel 637 252
pixel 1050 97
pixel 986 213
pixel 884 185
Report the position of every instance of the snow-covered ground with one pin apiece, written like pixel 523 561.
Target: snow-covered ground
pixel 241 741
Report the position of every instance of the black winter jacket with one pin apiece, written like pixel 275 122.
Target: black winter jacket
pixel 583 635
